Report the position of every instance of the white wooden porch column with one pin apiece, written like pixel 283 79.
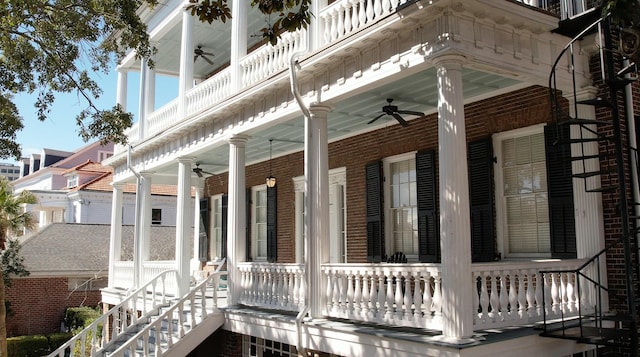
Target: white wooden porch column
pixel 115 243
pixel 237 216
pixel 239 14
pixel 183 223
pixel 455 231
pixel 142 98
pixel 145 223
pixel 316 30
pixel 317 189
pixel 150 91
pixel 185 82
pixel 198 185
pixel 121 89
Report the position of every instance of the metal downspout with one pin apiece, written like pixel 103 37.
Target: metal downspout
pixel 293 65
pixel 136 231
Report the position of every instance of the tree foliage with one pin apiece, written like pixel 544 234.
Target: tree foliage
pixel 50 46
pixel 290 15
pixel 12 262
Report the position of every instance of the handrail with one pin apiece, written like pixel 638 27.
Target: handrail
pixel 166 320
pixel 121 318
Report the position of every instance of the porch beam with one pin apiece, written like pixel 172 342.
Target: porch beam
pixel 455 231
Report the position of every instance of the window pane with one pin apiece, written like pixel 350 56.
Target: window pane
pixel 403 206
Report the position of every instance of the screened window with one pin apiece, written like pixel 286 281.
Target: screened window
pixel 523 194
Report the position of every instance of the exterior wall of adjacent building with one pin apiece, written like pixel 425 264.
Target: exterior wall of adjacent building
pixel 38 303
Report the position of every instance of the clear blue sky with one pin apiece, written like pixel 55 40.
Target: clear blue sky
pixel 60 131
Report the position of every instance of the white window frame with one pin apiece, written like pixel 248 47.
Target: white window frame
pixel 337 232
pixel 72 181
pixel 388 217
pixel 214 230
pixel 254 224
pixel 500 204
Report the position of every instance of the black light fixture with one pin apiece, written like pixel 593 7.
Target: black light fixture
pixel 271 181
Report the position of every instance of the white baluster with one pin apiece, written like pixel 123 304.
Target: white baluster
pixel 354 15
pixel 570 293
pixel 437 295
pixel 513 296
pixel 390 295
pixel 341 24
pixel 408 298
pixel 494 301
pixel 417 296
pixel 476 297
pixel 343 292
pixel 427 297
pixel 369 10
pixel 327 28
pixel 336 291
pixel 394 5
pixel 334 25
pixel 386 5
pixel 377 8
pixel 555 294
pixel 397 296
pixel 329 291
pixel 362 13
pixel 350 292
pixel 484 297
pixel 366 296
pixel 563 293
pixel 504 298
pixel 531 300
pixel 382 280
pixel 357 294
pixel 538 294
pixel 522 302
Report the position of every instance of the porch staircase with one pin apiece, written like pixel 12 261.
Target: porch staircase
pixel 151 322
pixel 613 333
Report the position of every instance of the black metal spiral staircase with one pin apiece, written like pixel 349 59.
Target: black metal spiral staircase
pixel 614 334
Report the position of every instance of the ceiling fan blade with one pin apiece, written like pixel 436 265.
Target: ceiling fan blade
pixel 208 60
pixel 411 112
pixel 195 57
pixel 208 173
pixel 198 172
pixel 376 118
pixel 400 119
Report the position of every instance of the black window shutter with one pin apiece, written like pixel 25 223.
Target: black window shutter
pixel 428 220
pixel 248 224
pixel 375 228
pixel 560 192
pixel 225 215
pixel 480 156
pixel 203 238
pixel 272 241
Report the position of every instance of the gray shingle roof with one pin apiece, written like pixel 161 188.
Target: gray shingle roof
pixel 77 248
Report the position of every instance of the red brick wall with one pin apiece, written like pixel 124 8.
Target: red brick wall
pixel 38 304
pixel 521 108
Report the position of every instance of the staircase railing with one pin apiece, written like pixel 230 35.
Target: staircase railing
pixel 119 319
pixel 175 322
pixel 605 144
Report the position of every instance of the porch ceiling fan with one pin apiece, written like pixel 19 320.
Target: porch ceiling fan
pixel 394 112
pixel 199 171
pixel 199 52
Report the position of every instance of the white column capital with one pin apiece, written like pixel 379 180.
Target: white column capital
pixel 449 60
pixel 118 185
pixel 320 109
pixel 238 139
pixel 186 159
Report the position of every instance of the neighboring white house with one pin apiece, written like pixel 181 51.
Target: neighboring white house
pixel 427 193
pixel 76 188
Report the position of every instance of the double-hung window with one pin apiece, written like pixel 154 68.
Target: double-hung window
pixel 259 224
pixel 401 205
pixel 521 190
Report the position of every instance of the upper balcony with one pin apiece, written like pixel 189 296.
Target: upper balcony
pixel 227 69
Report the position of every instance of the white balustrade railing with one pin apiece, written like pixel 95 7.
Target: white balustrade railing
pixel 275 286
pixel 120 319
pixel 175 321
pixel 344 17
pixel 394 294
pixel 212 90
pixel 163 118
pixel 270 59
pixel 124 273
pixel 510 294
